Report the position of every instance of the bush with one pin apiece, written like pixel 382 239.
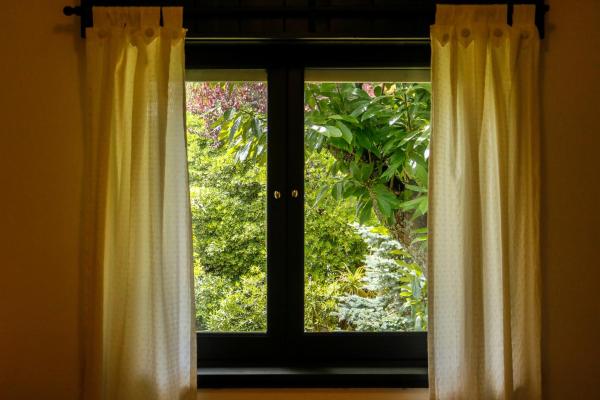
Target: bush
pixel 395 289
pixel 232 306
pixel 228 209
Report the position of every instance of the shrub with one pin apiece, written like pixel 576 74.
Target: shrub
pixel 395 289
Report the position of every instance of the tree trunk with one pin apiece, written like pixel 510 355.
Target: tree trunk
pixel 402 229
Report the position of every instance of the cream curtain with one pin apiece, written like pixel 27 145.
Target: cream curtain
pixel 138 312
pixel 484 326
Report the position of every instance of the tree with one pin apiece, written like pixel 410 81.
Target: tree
pixel 378 135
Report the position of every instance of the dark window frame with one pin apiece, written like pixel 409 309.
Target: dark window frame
pixel 286 355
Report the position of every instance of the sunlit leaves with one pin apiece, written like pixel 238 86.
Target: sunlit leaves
pixel 375 137
pixel 346 132
pixel 327 130
pixel 235 114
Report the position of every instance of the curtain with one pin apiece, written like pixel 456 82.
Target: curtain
pixel 138 301
pixel 484 323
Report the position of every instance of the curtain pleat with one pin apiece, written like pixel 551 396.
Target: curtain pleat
pixel 484 322
pixel 140 291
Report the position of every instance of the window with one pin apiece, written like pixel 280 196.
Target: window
pixel 309 196
pixel 366 140
pixel 228 191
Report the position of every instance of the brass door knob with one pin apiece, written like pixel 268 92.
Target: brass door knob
pixel 294 193
pixel 277 194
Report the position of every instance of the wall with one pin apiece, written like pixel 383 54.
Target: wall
pixel 41 158
pixel 571 201
pixel 40 184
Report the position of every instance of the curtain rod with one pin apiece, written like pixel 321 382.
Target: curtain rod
pixel 415 13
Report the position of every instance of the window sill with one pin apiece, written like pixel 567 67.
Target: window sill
pixel 321 377
pixel 313 394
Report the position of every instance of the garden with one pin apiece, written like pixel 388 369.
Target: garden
pixel 365 204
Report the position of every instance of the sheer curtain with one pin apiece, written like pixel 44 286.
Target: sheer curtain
pixel 484 326
pixel 138 311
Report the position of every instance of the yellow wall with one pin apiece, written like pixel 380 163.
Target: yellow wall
pixel 571 201
pixel 41 157
pixel 40 191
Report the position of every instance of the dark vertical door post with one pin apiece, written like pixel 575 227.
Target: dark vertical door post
pixel 295 196
pixel 276 203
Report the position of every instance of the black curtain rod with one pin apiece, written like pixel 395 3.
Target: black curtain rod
pixel 414 14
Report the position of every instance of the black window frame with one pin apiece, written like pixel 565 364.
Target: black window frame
pixel 286 355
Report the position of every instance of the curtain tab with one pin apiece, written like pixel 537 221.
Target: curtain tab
pixel 524 14
pixel 149 16
pixel 131 17
pixel 172 17
pixel 447 14
pixel 524 22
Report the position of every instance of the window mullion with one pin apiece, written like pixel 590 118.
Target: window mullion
pixel 295 209
pixel 276 205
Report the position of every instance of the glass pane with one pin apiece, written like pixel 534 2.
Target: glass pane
pixel 227 134
pixel 366 165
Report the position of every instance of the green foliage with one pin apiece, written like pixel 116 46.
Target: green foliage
pixel 228 198
pixel 378 135
pixel 330 242
pixel 394 291
pixel 208 291
pixel 229 234
pixel 366 161
pixel 321 301
pixel 228 208
pixel 231 306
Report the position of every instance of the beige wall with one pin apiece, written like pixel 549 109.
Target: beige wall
pixel 41 156
pixel 40 186
pixel 571 201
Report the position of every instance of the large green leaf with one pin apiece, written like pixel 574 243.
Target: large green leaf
pixel 361 107
pixel 243 153
pixel 363 211
pixel 418 189
pixel 346 132
pixel 371 112
pixel 337 190
pixel 327 130
pixel 322 191
pixel 234 128
pixel 387 201
pixel 414 204
pixel 391 171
